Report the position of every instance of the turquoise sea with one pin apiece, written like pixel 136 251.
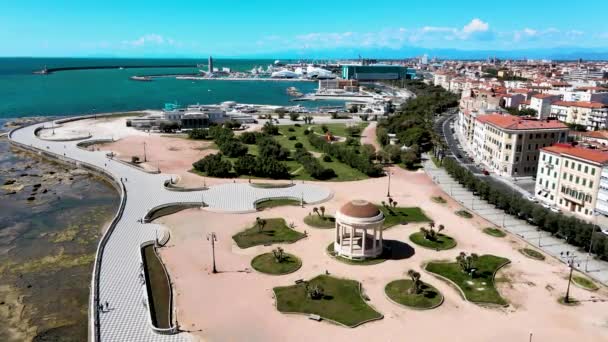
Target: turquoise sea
pixel 110 90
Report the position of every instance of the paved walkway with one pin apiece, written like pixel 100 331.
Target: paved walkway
pixel 594 268
pixel 127 319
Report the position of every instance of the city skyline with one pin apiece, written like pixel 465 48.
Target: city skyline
pixel 388 29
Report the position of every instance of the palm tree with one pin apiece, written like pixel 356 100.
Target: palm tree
pixel 260 223
pixel 432 224
pixel 390 201
pixel 316 211
pixel 383 204
pixel 394 204
pixel 416 282
pixel 279 254
pixel 441 227
pixel 322 208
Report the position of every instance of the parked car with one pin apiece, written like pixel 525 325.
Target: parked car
pixel 546 206
pixel 485 172
pixel 531 198
pixel 605 231
pixel 555 210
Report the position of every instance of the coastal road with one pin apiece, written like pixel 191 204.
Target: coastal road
pixel 119 283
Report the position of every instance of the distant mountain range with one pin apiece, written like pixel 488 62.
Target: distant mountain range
pixel 558 53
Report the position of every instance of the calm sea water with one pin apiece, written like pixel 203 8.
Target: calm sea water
pixel 86 91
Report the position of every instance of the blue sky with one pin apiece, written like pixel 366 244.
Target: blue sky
pixel 152 28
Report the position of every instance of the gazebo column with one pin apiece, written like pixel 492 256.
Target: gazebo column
pixel 374 240
pixel 352 235
pixel 380 228
pixel 364 238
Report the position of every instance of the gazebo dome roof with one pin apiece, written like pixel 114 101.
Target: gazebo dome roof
pixel 359 209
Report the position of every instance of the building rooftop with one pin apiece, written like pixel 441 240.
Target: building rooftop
pixel 592 155
pixel 581 104
pixel 520 123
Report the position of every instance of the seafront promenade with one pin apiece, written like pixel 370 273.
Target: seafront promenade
pixel 117 262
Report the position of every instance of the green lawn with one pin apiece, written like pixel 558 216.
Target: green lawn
pixel 585 283
pixel 159 289
pixel 341 303
pixel 275 231
pixel 343 171
pixel 478 289
pixel 317 221
pixel 398 291
pixel 495 232
pixel 363 262
pixel 401 215
pixel 531 253
pixel 441 242
pixel 266 263
pixel 278 202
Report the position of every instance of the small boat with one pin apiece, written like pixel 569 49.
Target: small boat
pixel 141 78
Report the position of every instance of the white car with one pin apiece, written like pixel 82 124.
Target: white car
pixel 546 206
pixel 531 198
pixel 555 210
pixel 605 231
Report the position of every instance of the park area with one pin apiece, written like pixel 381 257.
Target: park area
pixel 255 290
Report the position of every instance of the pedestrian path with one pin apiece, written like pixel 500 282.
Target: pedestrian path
pixel 118 281
pixel 594 268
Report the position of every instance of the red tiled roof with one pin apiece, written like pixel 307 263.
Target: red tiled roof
pixel 592 88
pixel 581 104
pixel 596 134
pixel 593 155
pixel 516 122
pixel 544 96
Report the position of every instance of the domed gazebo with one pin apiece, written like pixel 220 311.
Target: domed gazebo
pixel 359 230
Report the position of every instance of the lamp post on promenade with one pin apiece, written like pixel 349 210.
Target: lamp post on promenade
pixel 213 239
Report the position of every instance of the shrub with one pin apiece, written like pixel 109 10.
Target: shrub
pixel 347 155
pixel 199 134
pixel 134 159
pixel 291 129
pixel 214 166
pixel 270 129
pixel 294 116
pixel 298 145
pixel 292 137
pixel 232 148
pixel 306 132
pixel 248 137
pixel 269 148
pixel 297 125
pixel 312 165
pixel 326 158
pixel 324 128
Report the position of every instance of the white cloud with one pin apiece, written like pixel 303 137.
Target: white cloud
pixel 151 39
pixel 476 25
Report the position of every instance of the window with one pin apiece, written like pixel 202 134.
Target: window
pixel 579 167
pixel 593 171
pixel 565 175
pixel 584 182
pixel 586 169
pixel 591 184
pixel 566 163
pixel 577 179
pixel 570 178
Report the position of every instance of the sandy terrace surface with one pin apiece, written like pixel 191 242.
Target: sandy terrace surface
pixel 238 306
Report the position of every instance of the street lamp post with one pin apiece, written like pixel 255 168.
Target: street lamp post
pixel 145 160
pixel 570 257
pixel 388 190
pixel 212 238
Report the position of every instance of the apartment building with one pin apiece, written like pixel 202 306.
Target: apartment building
pixel 573 179
pixel 591 115
pixel 509 145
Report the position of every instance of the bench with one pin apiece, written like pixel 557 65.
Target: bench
pixel 314 317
